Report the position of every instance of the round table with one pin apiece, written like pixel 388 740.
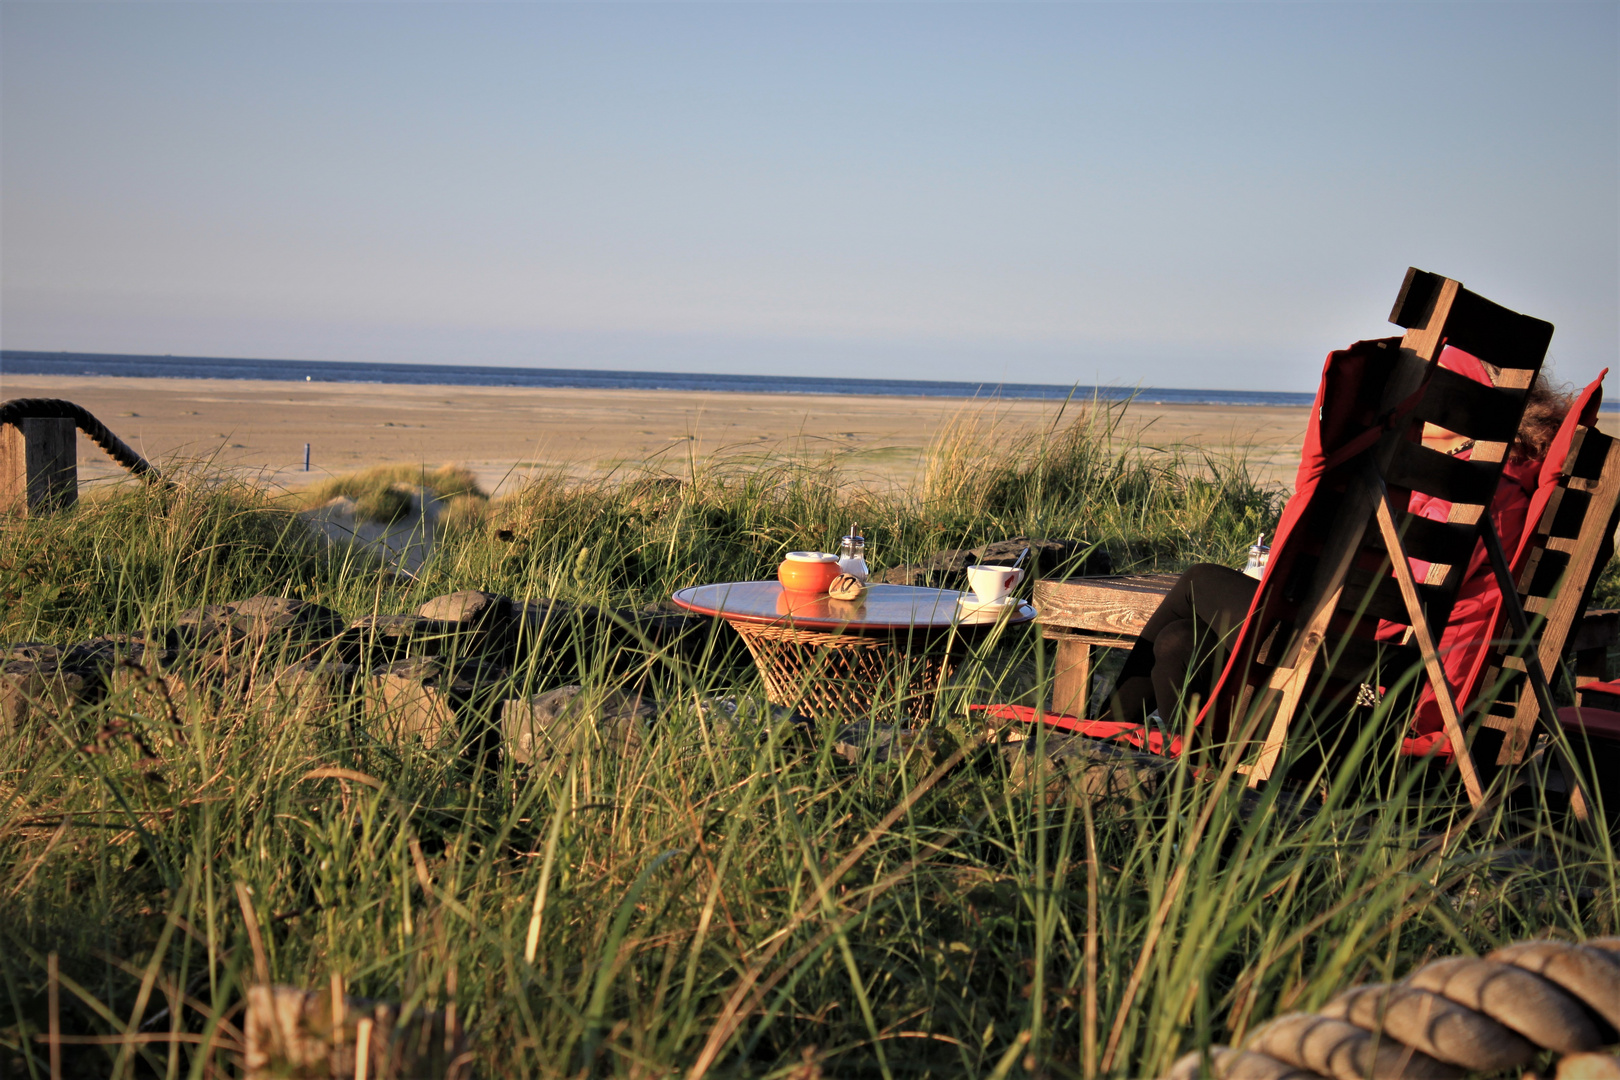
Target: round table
pixel 841 659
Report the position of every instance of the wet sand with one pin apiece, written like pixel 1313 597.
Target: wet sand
pixel 504 434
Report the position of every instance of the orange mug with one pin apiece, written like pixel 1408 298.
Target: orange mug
pixel 808 571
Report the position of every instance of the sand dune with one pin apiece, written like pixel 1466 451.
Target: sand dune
pixel 505 433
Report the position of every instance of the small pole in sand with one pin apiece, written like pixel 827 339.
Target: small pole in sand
pixel 306 457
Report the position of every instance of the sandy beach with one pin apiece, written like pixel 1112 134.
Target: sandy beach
pixel 504 434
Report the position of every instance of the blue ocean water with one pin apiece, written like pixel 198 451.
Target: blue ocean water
pixel 19 362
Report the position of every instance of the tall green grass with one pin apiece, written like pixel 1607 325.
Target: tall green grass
pixel 727 898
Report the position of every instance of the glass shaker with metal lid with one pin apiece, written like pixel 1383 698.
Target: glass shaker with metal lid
pixel 852 554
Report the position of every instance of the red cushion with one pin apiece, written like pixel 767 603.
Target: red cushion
pixel 1596 723
pixel 1602 687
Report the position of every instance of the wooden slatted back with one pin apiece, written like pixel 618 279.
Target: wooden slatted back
pixel 1564 551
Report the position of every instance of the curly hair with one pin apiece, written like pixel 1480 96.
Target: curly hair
pixel 1545 407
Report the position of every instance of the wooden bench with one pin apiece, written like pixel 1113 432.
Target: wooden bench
pixel 1109 612
pixel 1079 613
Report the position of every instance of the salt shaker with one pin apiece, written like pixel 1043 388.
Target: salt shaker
pixel 852 554
pixel 1259 553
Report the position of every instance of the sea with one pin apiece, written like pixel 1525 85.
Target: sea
pixel 21 362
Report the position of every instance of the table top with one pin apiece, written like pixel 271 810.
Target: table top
pixel 880 609
pixel 1114 604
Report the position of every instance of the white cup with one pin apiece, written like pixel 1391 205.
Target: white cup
pixel 991 584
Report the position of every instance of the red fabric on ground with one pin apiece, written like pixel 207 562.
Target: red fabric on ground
pixel 1118 730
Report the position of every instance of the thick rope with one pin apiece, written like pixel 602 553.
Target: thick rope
pixel 1446 1019
pixel 19 409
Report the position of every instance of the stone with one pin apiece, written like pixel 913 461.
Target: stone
pixel 33 652
pixel 550 727
pixel 205 627
pixel 32 693
pixel 864 741
pixel 749 721
pixel 470 607
pixel 265 616
pixel 414 700
pixel 538 618
pixel 298 1033
pixel 666 624
pixel 310 693
pixel 102 654
pixel 1077 765
pixel 156 696
pixel 383 639
pixel 476 622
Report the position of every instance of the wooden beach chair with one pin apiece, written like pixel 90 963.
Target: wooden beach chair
pixel 1568 539
pixel 1340 560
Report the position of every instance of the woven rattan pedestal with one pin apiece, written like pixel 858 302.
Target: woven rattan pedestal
pixel 886 653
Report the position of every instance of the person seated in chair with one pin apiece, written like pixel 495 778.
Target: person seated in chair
pixel 1176 650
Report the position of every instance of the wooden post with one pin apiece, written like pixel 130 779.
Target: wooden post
pixel 1071 687
pixel 39 466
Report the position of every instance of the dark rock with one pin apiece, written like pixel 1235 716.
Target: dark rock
pixel 205 627
pixel 1090 768
pixel 550 727
pixel 750 720
pixel 265 616
pixel 34 652
pixel 866 741
pixel 102 654
pixel 667 625
pixel 33 692
pixel 383 639
pixel 947 569
pixel 941 570
pixel 1070 558
pixel 477 623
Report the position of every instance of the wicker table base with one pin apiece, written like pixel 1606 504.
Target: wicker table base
pixel 845 677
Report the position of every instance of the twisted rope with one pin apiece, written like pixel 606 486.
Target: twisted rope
pixel 1448 1018
pixel 19 409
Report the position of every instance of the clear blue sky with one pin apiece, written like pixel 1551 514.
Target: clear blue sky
pixel 1200 195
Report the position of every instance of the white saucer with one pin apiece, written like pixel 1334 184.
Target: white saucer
pixel 971 606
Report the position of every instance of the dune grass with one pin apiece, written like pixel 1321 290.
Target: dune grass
pixel 726 899
pixel 383 493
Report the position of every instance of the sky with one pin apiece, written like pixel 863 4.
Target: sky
pixel 1206 195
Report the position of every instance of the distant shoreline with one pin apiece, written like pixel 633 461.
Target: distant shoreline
pixel 112 365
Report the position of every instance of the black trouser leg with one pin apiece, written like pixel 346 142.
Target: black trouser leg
pixel 1207 602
